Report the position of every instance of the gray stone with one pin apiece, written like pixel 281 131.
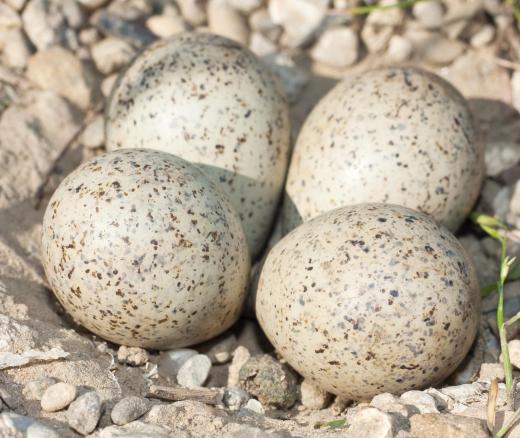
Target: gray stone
pixel 270 381
pixel 195 371
pixel 255 432
pixel 246 6
pixel 447 425
pixel 463 393
pixel 170 362
pixel 111 54
pixel 58 396
pixel 235 398
pixel 313 397
pixel 138 429
pixel 44 23
pixel 379 27
pixel 35 389
pixel 129 409
pixel 220 349
pixel 130 31
pixel 300 19
pixel 490 371
pixel 337 47
pixel 133 356
pixel 17 426
pixel 433 47
pixel 424 402
pixel 252 407
pixel 224 20
pixel 73 14
pixel 84 413
pixel 458 15
pixel 57 69
pixel 15 337
pixel 372 422
pixel 429 14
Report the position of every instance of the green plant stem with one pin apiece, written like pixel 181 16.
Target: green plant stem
pixel 508 426
pixel 361 10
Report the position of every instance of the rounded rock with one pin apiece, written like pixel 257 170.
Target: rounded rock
pixel 195 371
pixel 58 396
pixel 395 135
pixel 84 413
pixel 145 251
pixel 370 298
pixel 210 101
pixel 129 409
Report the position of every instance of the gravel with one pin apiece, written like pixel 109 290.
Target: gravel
pixel 58 396
pixel 129 409
pixel 84 413
pixel 195 371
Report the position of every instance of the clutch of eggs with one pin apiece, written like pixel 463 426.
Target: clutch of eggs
pixel 210 101
pixel 141 248
pixel 368 299
pixel 395 135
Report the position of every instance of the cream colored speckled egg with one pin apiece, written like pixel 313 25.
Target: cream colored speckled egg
pixel 210 101
pixel 370 298
pixel 143 250
pixel 395 135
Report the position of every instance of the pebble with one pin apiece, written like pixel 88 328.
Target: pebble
pixel 235 398
pixel 130 31
pixel 35 389
pixel 193 11
pixel 260 45
pixel 463 393
pixel 240 356
pixel 337 47
pixel 139 429
pixel 442 401
pixel 381 400
pixel 111 54
pixel 246 6
pixel 44 23
pixel 58 70
pixel 129 409
pixel 514 352
pixel 165 26
pixel 17 426
pixel 447 425
pixel 225 20
pixel 490 371
pixel 17 5
pixel 458 15
pixel 7 399
pixel 84 413
pixel 9 19
pixel 515 85
pixel 501 154
pixel 170 362
pixel 371 422
pixel 260 21
pixel 73 14
pixel 252 406
pixel 299 18
pixel 93 4
pixel 133 356
pixel 195 371
pixel 424 402
pixel 483 37
pixel 58 396
pixel 14 48
pixel 313 397
pixel 94 134
pixel 376 37
pixel 108 84
pixel 246 431
pixel 89 36
pixel 220 350
pixel 399 49
pixel 429 14
pixel 435 48
pixel 270 381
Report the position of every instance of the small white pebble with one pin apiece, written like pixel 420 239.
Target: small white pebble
pixel 58 396
pixel 195 371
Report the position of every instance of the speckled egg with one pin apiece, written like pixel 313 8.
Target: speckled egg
pixel 141 248
pixel 395 135
pixel 370 298
pixel 210 101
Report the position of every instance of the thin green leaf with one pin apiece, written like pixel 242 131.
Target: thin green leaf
pixel 485 219
pixel 334 424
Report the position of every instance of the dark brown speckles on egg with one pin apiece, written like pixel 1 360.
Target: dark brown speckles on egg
pixel 370 298
pixel 210 101
pixel 138 257
pixel 400 136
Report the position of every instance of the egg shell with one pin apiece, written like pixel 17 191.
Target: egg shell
pixel 395 135
pixel 210 101
pixel 368 299
pixel 143 250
